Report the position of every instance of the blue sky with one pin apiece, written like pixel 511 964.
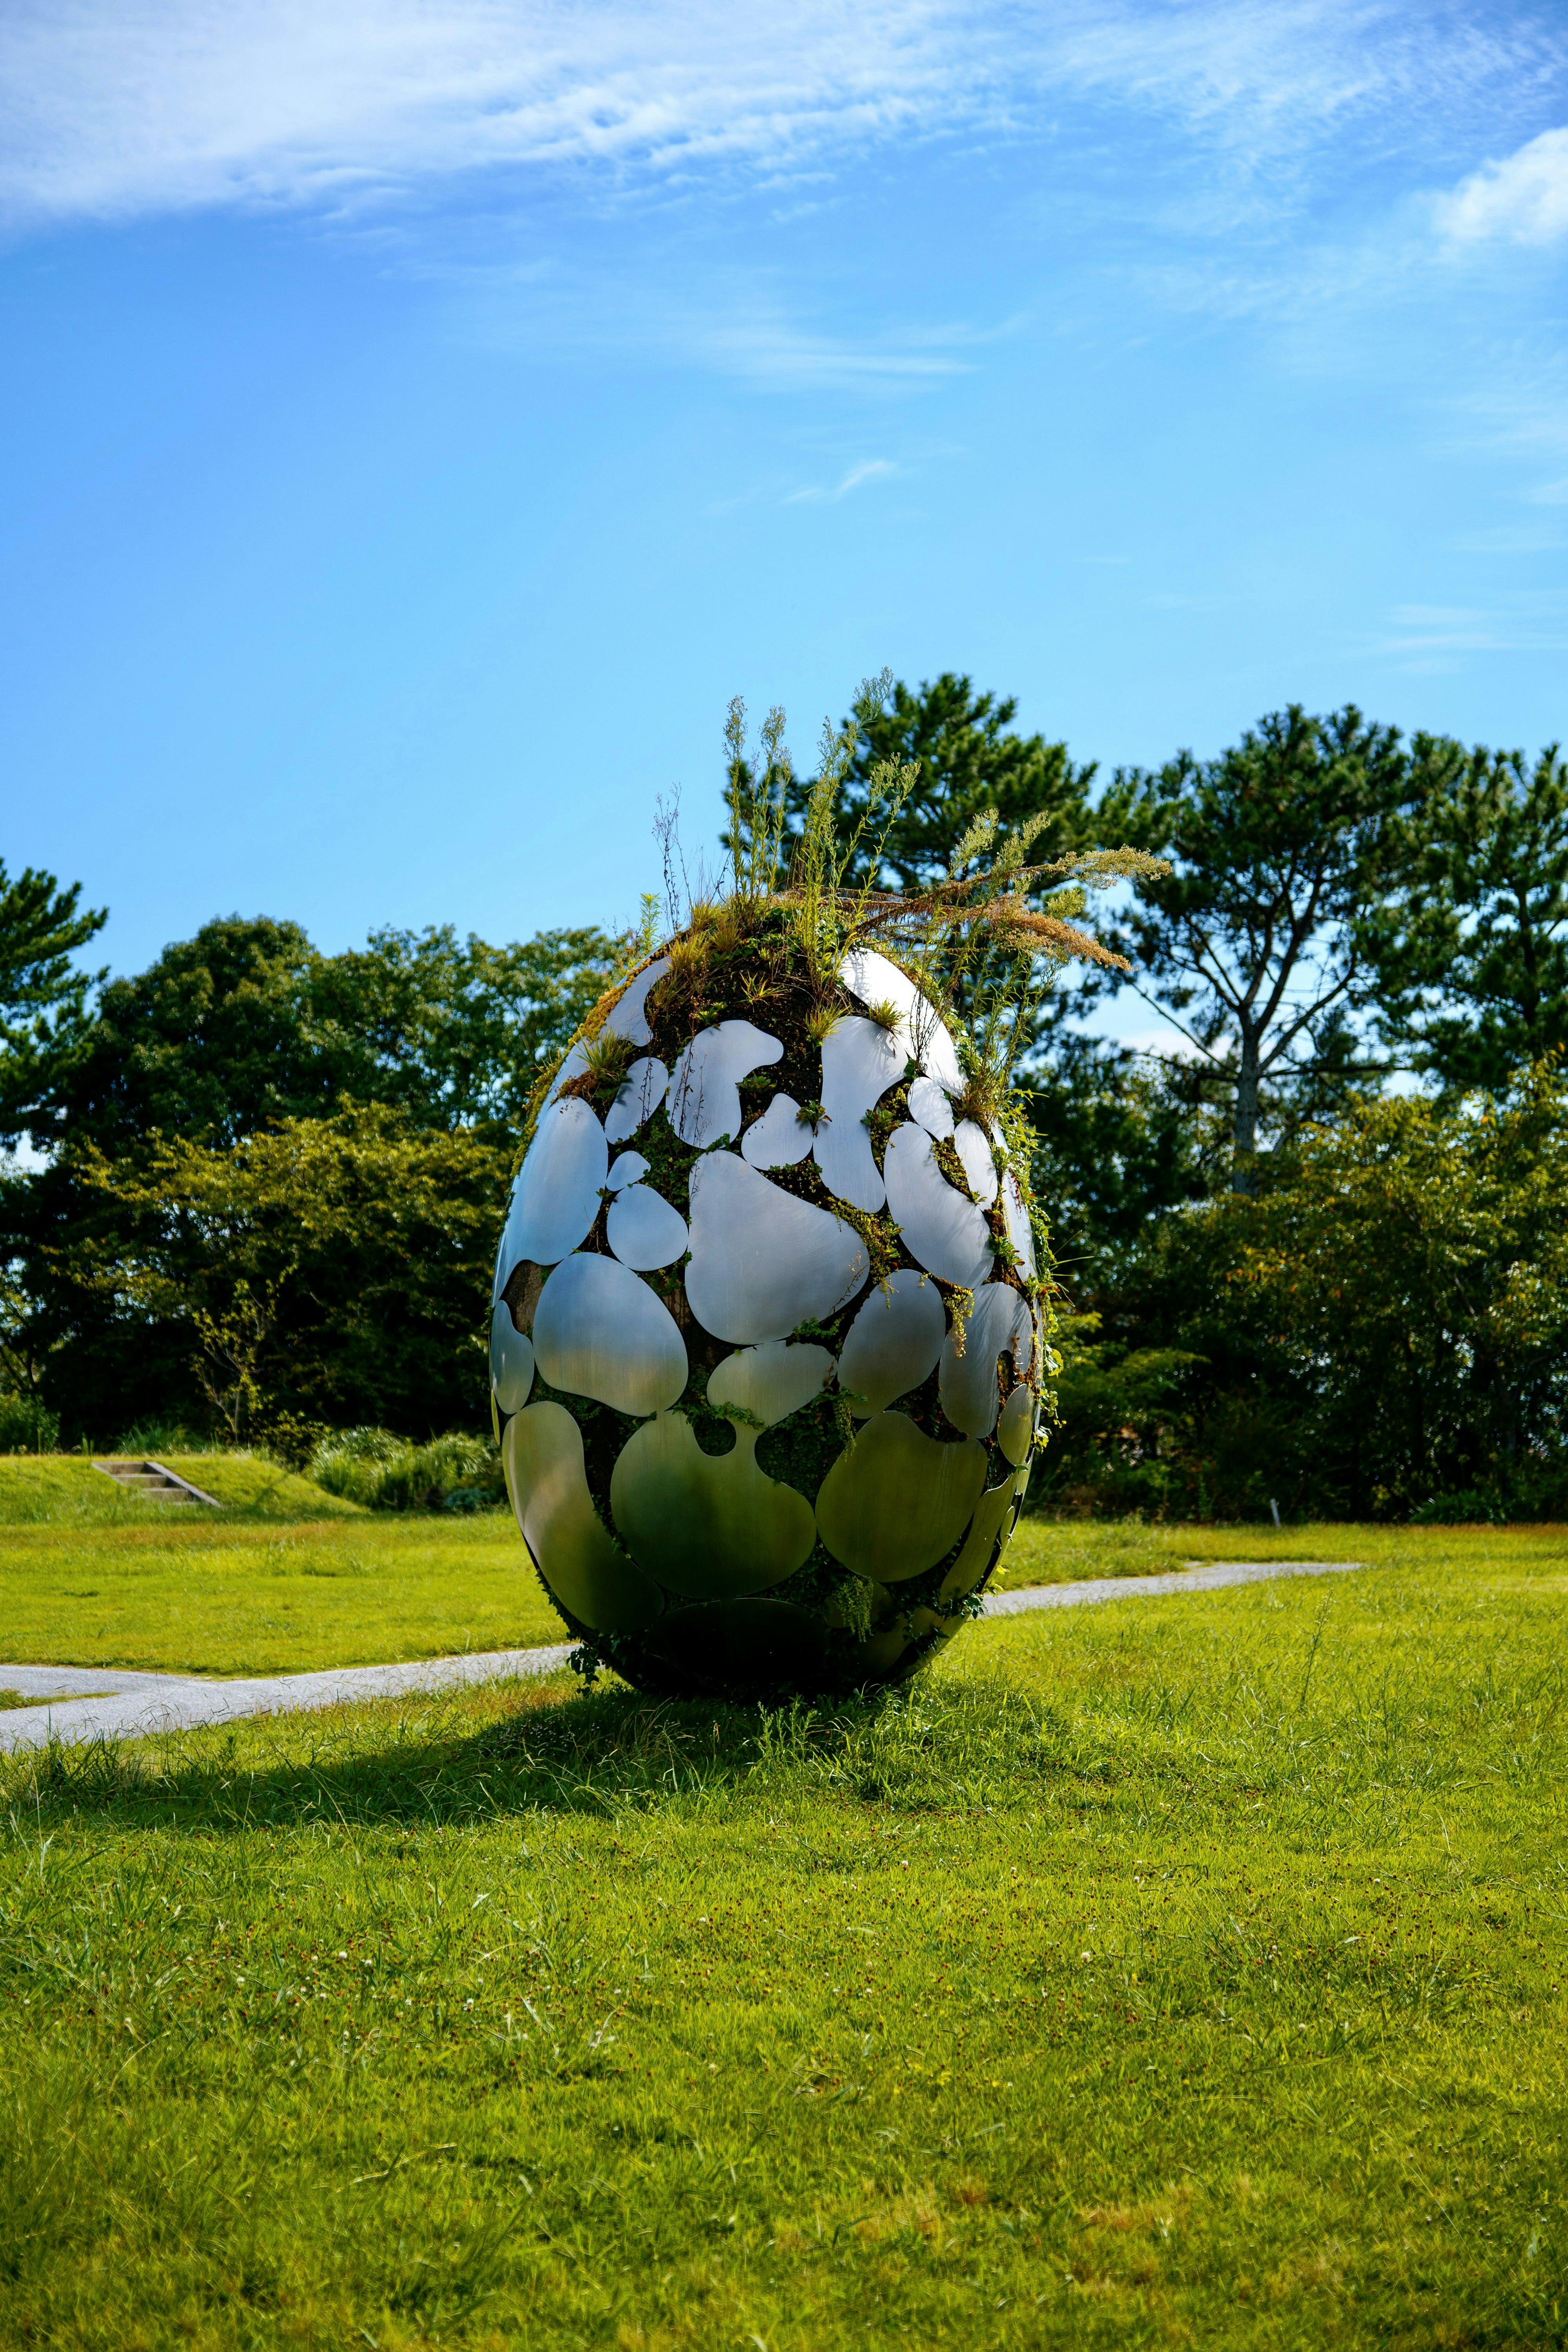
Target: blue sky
pixel 419 419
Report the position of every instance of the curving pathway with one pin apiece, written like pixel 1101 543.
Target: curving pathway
pixel 79 1703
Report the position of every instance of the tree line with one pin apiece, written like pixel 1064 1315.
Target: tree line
pixel 1309 1250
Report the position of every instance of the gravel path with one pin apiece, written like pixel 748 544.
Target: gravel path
pixel 79 1703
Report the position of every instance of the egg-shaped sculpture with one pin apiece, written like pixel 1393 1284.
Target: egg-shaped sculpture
pixel 766 1349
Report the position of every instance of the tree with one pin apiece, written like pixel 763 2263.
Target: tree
pixel 1280 844
pixel 1472 957
pixel 43 993
pixel 247 1024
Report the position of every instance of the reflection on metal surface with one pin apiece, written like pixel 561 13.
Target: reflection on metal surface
pixel 971 1396
pixel 511 1361
pixel 706 1526
pixel 704 1101
pixel 628 1019
pixel 991 1517
pixel 744 1645
pixel 642 1091
pixel 948 1234
pixel 771 1381
pixel 894 1341
pixel 599 1331
pixel 556 1196
pixel 972 1146
pixel 879 1653
pixel 930 1107
pixel 860 1060
pixel 643 1230
pixel 779 1137
pixel 624 1168
pixel 543 1456
pixel 1016 1430
pixel 1017 1217
pixel 762 1261
pixel 921 1032
pixel 896 1500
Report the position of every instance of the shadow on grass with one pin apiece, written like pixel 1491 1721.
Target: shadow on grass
pixel 921 1748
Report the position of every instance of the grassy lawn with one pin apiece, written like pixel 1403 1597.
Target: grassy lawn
pixel 1184 1974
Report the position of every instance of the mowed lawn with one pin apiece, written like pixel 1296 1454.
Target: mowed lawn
pixel 1188 1971
pixel 285 1579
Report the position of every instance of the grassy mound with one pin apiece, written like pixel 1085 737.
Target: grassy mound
pixel 64 1489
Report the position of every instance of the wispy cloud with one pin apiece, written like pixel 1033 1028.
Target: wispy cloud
pixel 116 107
pixel 1523 199
pixel 874 469
pixel 1535 623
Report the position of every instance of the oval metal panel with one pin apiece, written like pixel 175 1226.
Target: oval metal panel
pixel 771 1380
pixel 970 1394
pixel 704 1101
pixel 1016 1430
pixel 779 1138
pixel 744 1645
pixel 599 1331
pixel 992 1516
pixel 706 1526
pixel 894 1341
pixel 972 1146
pixel 1017 1217
pixel 921 1030
pixel 642 1091
pixel 627 1017
pixel 762 1261
pixel 542 1454
pixel 860 1060
pixel 511 1361
pixel 947 1232
pixel 624 1168
pixel 930 1108
pixel 643 1230
pixel 555 1198
pixel 897 1500
pixel 574 1066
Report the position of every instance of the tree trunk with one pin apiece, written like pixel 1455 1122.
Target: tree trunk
pixel 1243 1130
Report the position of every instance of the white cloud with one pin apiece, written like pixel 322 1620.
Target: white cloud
pixel 874 469
pixel 119 107
pixel 1524 198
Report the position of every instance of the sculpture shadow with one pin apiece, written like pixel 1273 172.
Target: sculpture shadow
pixel 603 1753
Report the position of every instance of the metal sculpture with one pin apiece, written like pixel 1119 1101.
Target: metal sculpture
pixel 766 1355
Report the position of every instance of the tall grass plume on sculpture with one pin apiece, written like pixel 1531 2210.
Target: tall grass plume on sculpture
pixel 770 1346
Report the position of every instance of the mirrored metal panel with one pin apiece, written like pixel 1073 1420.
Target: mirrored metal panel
pixel 972 1146
pixel 771 1380
pixel 643 1230
pixel 992 1514
pixel 511 1361
pixel 599 1331
pixel 704 1101
pixel 930 1108
pixel 779 1137
pixel 629 1018
pixel 948 1234
pixel 555 1198
pixel 896 1500
pixel 642 1091
pixel 1017 1217
pixel 706 1526
pixel 572 1067
pixel 761 1260
pixel 624 1168
pixel 1016 1430
pixel 921 1032
pixel 971 1393
pixel 542 1454
pixel 894 1341
pixel 860 1060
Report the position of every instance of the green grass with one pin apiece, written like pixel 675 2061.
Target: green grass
pixel 1186 1974
pixel 66 1490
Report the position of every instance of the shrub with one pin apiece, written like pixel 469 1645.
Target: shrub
pixel 387 1472
pixel 26 1426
